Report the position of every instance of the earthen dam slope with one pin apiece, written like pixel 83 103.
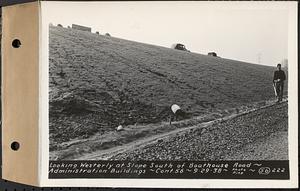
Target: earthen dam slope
pixel 97 82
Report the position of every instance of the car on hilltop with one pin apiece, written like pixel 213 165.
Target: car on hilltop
pixel 179 46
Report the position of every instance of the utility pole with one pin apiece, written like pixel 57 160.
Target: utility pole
pixel 284 62
pixel 259 58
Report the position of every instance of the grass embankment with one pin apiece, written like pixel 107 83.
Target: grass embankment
pixel 98 82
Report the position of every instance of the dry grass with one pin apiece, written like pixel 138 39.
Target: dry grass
pixel 98 82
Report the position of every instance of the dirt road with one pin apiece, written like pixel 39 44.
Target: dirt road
pixel 273 147
pixel 251 134
pixel 259 135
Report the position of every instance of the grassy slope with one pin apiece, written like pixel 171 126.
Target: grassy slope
pixel 106 81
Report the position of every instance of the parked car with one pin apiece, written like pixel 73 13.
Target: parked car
pixel 212 54
pixel 179 47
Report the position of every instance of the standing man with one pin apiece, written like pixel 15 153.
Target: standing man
pixel 278 81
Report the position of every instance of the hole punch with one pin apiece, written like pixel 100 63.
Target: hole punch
pixel 16 43
pixel 15 146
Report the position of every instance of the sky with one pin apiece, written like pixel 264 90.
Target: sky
pixel 253 32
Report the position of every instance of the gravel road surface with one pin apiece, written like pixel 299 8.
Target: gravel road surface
pixel 273 147
pixel 260 135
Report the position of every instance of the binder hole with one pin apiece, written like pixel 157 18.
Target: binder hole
pixel 15 146
pixel 16 43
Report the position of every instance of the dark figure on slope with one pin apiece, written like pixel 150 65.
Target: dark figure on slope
pixel 278 82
